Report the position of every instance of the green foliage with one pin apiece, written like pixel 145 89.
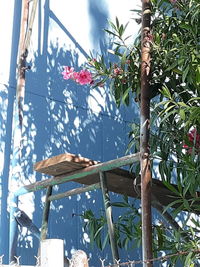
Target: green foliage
pixel 175 120
pixel 127 227
pixel 95 228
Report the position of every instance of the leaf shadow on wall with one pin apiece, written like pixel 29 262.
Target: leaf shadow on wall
pixel 59 119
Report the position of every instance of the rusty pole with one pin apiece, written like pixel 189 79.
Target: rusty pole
pixel 144 135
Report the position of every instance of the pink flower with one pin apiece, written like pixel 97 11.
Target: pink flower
pixel 149 38
pixel 194 139
pixel 83 77
pixel 68 73
pixel 75 76
pixel 117 71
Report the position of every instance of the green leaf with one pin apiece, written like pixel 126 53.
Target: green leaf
pixel 123 59
pixel 172 204
pixel 178 210
pixel 172 66
pixel 198 75
pixel 160 237
pixel 98 231
pixel 168 115
pixel 137 10
pixel 185 73
pixel 105 241
pixel 193 99
pixel 195 222
pixel 162 103
pixel 188 259
pixel 185 189
pixel 171 187
pixel 182 114
pixel 186 204
pixel 182 104
pixel 110 32
pixel 177 71
pixel 165 91
pixel 126 95
pixel 121 30
pixel 113 25
pixel 120 204
pixel 117 22
pixel 185 26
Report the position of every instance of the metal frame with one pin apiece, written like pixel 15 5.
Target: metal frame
pixel 45 216
pixel 60 179
pixel 100 168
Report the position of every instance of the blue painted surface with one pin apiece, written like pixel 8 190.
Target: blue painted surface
pixel 59 118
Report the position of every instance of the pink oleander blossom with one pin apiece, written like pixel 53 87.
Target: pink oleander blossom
pixel 194 137
pixel 75 76
pixel 194 140
pixel 117 71
pixel 68 73
pixel 83 77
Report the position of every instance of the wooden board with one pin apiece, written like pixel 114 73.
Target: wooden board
pixel 122 182
pixel 118 181
pixel 63 163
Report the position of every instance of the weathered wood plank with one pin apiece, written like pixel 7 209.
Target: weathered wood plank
pixel 63 163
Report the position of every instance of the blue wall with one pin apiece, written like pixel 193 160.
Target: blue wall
pixel 60 117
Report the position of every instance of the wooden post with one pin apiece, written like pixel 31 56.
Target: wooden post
pixel 144 135
pixel 52 253
pixel 108 210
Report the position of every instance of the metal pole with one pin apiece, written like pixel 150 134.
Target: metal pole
pixel 144 135
pixel 17 133
pixel 75 191
pixel 25 34
pixel 108 210
pixel 13 233
pixel 45 216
